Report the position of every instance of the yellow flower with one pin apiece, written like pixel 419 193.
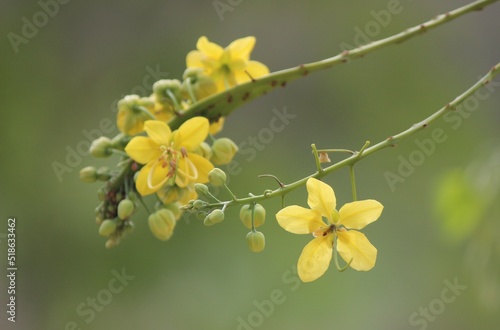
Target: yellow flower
pixel 352 245
pixel 168 155
pixel 226 66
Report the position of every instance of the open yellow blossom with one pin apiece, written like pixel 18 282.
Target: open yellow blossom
pixel 226 66
pixel 352 245
pixel 169 156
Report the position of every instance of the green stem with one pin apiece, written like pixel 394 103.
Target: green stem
pixel 217 105
pixel 389 142
pixel 337 150
pixel 316 158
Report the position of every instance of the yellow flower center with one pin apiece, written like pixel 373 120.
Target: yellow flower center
pixel 324 231
pixel 170 159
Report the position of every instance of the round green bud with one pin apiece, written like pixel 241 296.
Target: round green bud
pixel 119 142
pixel 213 218
pixel 201 189
pixel 107 227
pixel 259 215
pixel 204 150
pixel 103 174
pixel 161 86
pixel 88 174
pixel 223 150
pixel 162 224
pixel 197 84
pixel 217 177
pixel 256 241
pixel 199 204
pixel 101 194
pixel 101 147
pixel 125 209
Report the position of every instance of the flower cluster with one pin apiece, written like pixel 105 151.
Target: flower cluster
pixel 158 159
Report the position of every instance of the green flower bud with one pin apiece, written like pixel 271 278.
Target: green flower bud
pixel 175 208
pixel 214 217
pixel 161 86
pixel 133 111
pixel 88 174
pixel 119 142
pixel 224 150
pixel 259 215
pixel 162 224
pixel 204 150
pixel 107 227
pixel 103 174
pixel 196 84
pixel 101 194
pixel 217 177
pixel 125 209
pixel 201 189
pixel 256 241
pixel 199 204
pixel 101 147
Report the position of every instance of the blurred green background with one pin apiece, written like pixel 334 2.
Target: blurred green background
pixel 64 81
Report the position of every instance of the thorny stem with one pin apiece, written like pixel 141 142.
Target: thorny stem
pixel 391 141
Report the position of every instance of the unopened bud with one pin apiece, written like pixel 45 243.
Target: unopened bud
pixel 213 218
pixel 162 224
pixel 259 215
pixel 201 189
pixel 256 241
pixel 161 87
pixel 199 204
pixel 224 150
pixel 101 147
pixel 125 209
pixel 107 227
pixel 197 85
pixel 217 177
pixel 88 174
pixel 103 174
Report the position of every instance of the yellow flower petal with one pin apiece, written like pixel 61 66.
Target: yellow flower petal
pixel 208 48
pixel 203 166
pixel 241 48
pixel 315 258
pixel 321 197
pixel 192 133
pixel 142 149
pixel 158 131
pixel 194 59
pixel 192 169
pixel 357 215
pixel 141 182
pixel 299 220
pixel 354 245
pixel 255 70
